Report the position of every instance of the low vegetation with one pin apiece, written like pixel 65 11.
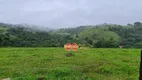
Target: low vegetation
pixel 53 64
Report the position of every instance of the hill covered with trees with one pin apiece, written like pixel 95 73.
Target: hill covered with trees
pixel 97 36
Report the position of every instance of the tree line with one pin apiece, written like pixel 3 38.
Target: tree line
pixel 97 36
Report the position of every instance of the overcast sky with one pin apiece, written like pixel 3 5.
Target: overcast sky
pixel 70 13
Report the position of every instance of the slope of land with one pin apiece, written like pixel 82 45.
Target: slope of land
pixel 98 36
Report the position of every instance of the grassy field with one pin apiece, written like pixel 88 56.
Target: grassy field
pixel 53 64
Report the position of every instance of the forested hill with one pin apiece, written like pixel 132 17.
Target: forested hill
pixel 21 36
pixel 98 36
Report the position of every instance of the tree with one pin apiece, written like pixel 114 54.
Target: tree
pixel 138 45
pixel 137 24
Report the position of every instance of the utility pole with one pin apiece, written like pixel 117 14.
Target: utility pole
pixel 140 74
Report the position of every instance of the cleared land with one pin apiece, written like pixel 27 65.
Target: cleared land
pixel 53 64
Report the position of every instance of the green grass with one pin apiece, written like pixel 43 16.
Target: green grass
pixel 52 64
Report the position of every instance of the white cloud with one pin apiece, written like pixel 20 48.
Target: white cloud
pixel 70 13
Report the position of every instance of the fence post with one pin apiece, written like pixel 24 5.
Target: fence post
pixel 140 74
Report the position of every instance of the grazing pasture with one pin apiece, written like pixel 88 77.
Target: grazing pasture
pixel 54 64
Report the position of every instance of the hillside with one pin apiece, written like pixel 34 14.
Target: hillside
pixel 108 35
pixel 20 36
pixel 98 36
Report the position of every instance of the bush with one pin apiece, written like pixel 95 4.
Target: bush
pixel 138 45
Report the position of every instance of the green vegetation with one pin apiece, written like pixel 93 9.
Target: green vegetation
pixel 98 36
pixel 86 64
pixel 93 63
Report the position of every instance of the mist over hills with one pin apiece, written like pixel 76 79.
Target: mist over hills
pixel 27 26
pixel 97 36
